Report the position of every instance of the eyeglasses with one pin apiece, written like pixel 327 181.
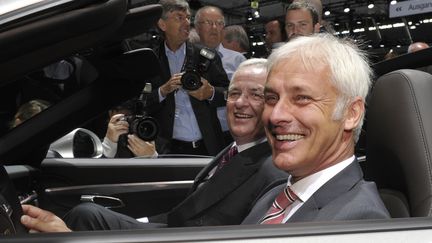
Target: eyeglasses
pixel 181 18
pixel 254 96
pixel 218 23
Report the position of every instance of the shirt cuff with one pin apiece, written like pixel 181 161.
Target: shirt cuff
pixel 109 148
pixel 161 98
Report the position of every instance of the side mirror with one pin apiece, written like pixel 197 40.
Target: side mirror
pixel 80 143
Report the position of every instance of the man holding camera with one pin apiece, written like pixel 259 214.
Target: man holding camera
pixel 187 118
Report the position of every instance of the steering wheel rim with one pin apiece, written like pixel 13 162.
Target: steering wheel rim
pixel 10 207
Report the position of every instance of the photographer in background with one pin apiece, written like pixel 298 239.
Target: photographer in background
pixel 187 118
pixel 118 126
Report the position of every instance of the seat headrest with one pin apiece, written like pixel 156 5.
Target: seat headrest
pixel 399 137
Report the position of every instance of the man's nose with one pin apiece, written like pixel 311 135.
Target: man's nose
pixel 281 112
pixel 242 100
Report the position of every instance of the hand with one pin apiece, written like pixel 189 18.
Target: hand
pixel 140 147
pixel 116 127
pixel 39 220
pixel 171 85
pixel 204 92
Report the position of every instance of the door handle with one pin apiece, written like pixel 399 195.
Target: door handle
pixel 106 201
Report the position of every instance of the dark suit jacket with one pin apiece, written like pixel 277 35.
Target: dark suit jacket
pixel 205 111
pixel 227 197
pixel 344 197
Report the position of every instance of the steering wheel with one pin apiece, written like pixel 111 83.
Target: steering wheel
pixel 10 207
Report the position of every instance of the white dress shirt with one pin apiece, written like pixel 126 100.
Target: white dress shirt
pixel 307 186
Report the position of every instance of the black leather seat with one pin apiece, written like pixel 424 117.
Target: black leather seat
pixel 399 142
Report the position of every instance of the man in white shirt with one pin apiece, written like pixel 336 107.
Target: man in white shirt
pixel 313 114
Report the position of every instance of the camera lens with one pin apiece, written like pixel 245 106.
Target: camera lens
pixel 145 128
pixel 191 80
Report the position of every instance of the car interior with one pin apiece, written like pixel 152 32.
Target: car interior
pixel 396 140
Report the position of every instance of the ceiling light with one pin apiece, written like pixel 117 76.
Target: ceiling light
pixel 346 9
pixel 371 6
pixel 393 2
pixel 256 14
pixel 327 13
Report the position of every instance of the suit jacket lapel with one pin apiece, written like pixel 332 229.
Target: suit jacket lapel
pixel 205 171
pixel 338 185
pixel 228 179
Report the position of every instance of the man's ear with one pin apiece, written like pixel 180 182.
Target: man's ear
pixel 161 24
pixel 354 114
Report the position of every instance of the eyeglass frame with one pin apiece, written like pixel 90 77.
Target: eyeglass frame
pixel 260 96
pixel 217 23
pixel 179 17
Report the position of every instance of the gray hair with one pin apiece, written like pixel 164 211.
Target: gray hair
pixel 237 33
pixel 173 5
pixel 201 10
pixel 349 68
pixel 260 63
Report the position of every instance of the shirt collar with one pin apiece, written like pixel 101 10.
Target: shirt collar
pixel 220 49
pixel 245 146
pixel 307 186
pixel 181 50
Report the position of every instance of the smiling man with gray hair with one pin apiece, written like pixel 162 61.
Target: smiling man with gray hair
pixel 314 107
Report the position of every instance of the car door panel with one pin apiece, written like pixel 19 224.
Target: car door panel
pixel 144 186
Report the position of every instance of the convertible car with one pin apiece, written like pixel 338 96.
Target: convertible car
pixel 395 149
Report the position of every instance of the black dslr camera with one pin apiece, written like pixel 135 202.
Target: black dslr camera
pixel 191 78
pixel 140 124
pixel 145 127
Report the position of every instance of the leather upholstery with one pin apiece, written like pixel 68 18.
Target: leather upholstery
pixel 399 142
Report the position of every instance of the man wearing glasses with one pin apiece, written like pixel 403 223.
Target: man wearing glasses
pixel 209 23
pixel 187 119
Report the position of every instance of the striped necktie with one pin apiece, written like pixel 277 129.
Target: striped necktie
pixel 227 157
pixel 276 213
